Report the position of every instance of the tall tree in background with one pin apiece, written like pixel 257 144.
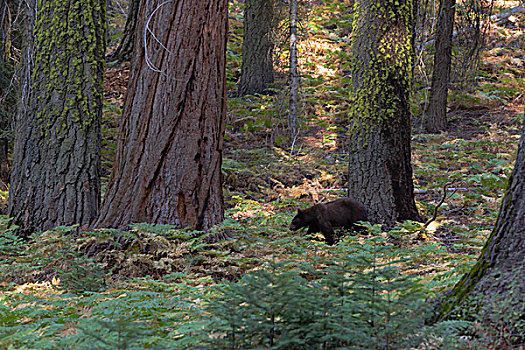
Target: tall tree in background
pixel 4 85
pixel 437 108
pixel 380 173
pixel 56 161
pixel 4 121
pixel 498 278
pixel 294 76
pixel 10 13
pixel 168 162
pixel 257 47
pixel 124 50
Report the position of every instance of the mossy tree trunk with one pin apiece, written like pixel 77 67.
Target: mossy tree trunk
pixel 55 176
pixel 498 277
pixel 257 48
pixel 380 173
pixel 437 108
pixel 168 161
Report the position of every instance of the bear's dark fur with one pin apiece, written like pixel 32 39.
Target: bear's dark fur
pixel 323 218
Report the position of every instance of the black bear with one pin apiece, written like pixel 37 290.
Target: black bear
pixel 323 218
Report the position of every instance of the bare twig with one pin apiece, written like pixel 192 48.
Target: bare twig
pixel 452 189
pixel 434 217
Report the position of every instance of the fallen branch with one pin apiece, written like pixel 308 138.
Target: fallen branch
pixel 452 189
pixel 504 16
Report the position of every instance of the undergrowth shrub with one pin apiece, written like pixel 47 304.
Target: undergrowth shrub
pixel 120 319
pixel 80 274
pixel 353 298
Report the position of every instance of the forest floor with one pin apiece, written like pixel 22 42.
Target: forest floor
pixel 265 181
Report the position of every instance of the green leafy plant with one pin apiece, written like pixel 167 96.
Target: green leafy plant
pixel 355 299
pixel 79 274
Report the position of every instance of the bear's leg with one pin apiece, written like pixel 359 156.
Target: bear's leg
pixel 328 233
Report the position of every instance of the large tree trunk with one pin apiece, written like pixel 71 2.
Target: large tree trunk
pixel 257 47
pixel 498 278
pixel 168 163
pixel 437 108
pixel 55 177
pixel 380 173
pixel 124 50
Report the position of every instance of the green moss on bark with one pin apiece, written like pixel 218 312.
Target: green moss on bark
pixel 56 160
pixel 390 60
pixel 380 174
pixel 70 42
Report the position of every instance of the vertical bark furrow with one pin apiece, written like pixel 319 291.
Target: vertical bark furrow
pixel 257 50
pixel 57 148
pixel 380 173
pixel 437 108
pixel 168 183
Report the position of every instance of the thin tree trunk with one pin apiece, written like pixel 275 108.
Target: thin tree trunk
pixel 7 14
pixel 124 50
pixel 5 112
pixel 380 174
pixel 294 78
pixel 168 162
pixel 4 116
pixel 257 48
pixel 55 177
pixel 437 108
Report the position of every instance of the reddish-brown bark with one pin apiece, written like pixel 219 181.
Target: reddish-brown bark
pixel 168 163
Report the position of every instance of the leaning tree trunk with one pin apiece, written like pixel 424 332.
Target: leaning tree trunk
pixel 124 50
pixel 380 174
pixel 437 108
pixel 168 163
pixel 498 278
pixel 55 177
pixel 257 47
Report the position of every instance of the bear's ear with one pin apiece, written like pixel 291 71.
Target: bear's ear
pixel 300 212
